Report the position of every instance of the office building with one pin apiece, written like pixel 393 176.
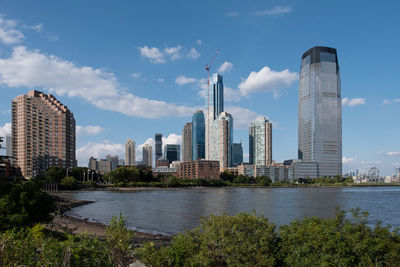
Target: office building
pixel 221 140
pixel 275 172
pixel 320 111
pixel 260 142
pixel 198 136
pixel 215 106
pixel 43 132
pixel 130 152
pixel 205 169
pixel 158 147
pixel 172 153
pixel 302 170
pixel 237 154
pixel 187 142
pixel 147 153
pixel 103 166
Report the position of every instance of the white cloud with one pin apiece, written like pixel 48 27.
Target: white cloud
pixel 33 69
pixel 98 150
pixel 183 80
pixel 397 100
pixel 9 34
pixel 160 80
pixel 393 153
pixel 89 130
pixel 173 139
pixel 36 28
pixel 153 54
pixel 5 129
pixel 225 67
pixel 267 80
pixel 277 10
pixel 348 160
pixel 353 102
pixel 136 75
pixel 199 42
pixel 193 53
pixel 242 117
pixel 173 52
pixel 387 102
pixel 231 95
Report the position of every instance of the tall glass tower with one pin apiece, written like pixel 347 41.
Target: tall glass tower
pixel 260 142
pixel 215 105
pixel 320 111
pixel 198 135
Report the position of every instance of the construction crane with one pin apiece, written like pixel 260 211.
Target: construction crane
pixel 208 67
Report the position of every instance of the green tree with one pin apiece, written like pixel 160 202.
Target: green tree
pixel 263 180
pixel 227 176
pixel 69 183
pixel 54 174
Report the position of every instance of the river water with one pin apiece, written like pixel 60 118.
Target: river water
pixel 174 210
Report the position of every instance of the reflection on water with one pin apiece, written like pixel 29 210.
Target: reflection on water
pixel 173 211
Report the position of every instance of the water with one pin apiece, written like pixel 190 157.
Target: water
pixel 175 210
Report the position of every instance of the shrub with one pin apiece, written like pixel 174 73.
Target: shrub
pixel 69 183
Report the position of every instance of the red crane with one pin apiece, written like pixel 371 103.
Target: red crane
pixel 208 67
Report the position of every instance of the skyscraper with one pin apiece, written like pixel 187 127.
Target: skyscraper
pixel 237 154
pixel 43 133
pixel 130 152
pixel 215 105
pixel 320 111
pixel 158 146
pixel 260 142
pixel 172 153
pixel 187 142
pixel 147 155
pixel 198 135
pixel 9 145
pixel 221 140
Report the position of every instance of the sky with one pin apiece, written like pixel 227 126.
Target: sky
pixel 129 69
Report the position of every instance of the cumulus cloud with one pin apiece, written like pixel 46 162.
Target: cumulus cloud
pixel 231 95
pixel 348 160
pixel 9 34
pixel 136 75
pixel 173 139
pixel 393 153
pixel 183 80
pixel 173 52
pixel 242 117
pixel 153 54
pixel 98 150
pixel 89 130
pixel 353 102
pixel 267 80
pixel 5 129
pixel 225 67
pixel 277 10
pixel 33 69
pixel 193 53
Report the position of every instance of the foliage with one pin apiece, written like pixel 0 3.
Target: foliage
pixel 23 204
pixel 126 174
pixel 69 183
pixel 118 241
pixel 227 176
pixel 241 240
pixel 263 180
pixel 77 172
pixel 54 174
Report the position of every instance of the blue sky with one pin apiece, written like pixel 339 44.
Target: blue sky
pixel 128 69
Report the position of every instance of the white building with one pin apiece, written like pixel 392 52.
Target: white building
pixel 260 142
pixel 130 152
pixel 221 136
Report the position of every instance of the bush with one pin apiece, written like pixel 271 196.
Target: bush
pixel 69 183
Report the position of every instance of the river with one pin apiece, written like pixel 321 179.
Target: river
pixel 174 210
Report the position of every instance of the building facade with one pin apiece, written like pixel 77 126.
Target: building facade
pixel 198 136
pixel 260 142
pixel 215 106
pixel 276 172
pixel 237 154
pixel 172 153
pixel 221 140
pixel 158 146
pixel 130 152
pixel 147 153
pixel 320 111
pixel 43 133
pixel 199 169
pixel 187 142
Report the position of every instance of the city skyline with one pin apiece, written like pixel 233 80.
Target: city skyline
pixel 160 74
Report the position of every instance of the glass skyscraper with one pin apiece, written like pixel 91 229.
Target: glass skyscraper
pixel 215 105
pixel 260 142
pixel 198 135
pixel 320 111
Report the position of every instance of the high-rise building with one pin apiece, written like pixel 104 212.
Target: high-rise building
pixel 172 152
pixel 260 142
pixel 221 140
pixel 215 106
pixel 43 133
pixel 198 135
pixel 158 147
pixel 9 146
pixel 130 152
pixel 237 154
pixel 320 111
pixel 187 142
pixel 147 155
